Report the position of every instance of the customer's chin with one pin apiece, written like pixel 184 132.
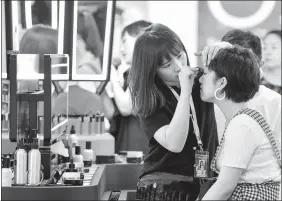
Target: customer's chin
pixel 204 98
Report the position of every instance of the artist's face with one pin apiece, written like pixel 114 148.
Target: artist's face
pixel 168 72
pixel 209 84
pixel 272 50
pixel 127 47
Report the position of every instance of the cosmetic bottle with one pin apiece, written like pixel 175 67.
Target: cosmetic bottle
pixel 7 173
pixel 78 158
pixel 72 141
pixel 34 163
pixel 88 155
pixel 20 164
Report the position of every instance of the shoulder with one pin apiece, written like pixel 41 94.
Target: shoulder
pixel 243 126
pixel 270 93
pixel 267 98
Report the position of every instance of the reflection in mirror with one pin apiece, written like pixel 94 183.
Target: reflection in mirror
pixel 92 35
pixel 26 14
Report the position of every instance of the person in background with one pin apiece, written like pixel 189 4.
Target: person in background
pixel 125 127
pixel 272 59
pixel 247 161
pixel 265 101
pixel 88 30
pixel 160 69
pixel 41 12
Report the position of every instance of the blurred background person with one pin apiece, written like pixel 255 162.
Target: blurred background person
pixel 272 60
pixel 125 127
pixel 89 31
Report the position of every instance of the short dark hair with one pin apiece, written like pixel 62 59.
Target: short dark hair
pixel 39 39
pixel 275 31
pixel 135 28
pixel 245 39
pixel 155 43
pixel 239 66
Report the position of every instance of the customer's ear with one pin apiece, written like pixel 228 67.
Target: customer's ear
pixel 222 82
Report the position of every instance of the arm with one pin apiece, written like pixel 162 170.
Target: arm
pixel 210 51
pixel 225 184
pixel 108 105
pixel 173 136
pixel 122 98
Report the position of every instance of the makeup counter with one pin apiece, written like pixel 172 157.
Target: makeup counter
pixel 91 172
pixel 69 157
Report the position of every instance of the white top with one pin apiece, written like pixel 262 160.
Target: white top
pixel 246 146
pixel 267 102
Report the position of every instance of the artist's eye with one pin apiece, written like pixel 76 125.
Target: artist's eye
pixel 165 65
pixel 180 55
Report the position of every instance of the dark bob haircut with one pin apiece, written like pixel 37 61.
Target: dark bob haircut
pixel 151 47
pixel 245 39
pixel 40 39
pixel 135 28
pixel 240 68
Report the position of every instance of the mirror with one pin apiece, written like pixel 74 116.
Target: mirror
pixel 26 14
pixel 91 40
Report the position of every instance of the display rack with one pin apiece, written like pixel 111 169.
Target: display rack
pixel 33 98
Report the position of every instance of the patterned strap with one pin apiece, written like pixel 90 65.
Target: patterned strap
pixel 264 125
pixel 261 121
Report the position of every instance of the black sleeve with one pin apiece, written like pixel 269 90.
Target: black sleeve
pixel 155 121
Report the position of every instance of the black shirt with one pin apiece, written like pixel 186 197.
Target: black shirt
pixel 160 159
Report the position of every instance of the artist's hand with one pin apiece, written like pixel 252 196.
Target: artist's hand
pixel 186 78
pixel 209 52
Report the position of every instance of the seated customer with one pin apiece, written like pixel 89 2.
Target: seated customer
pixel 247 161
pixel 266 101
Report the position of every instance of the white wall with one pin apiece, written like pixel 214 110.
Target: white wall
pixel 181 17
